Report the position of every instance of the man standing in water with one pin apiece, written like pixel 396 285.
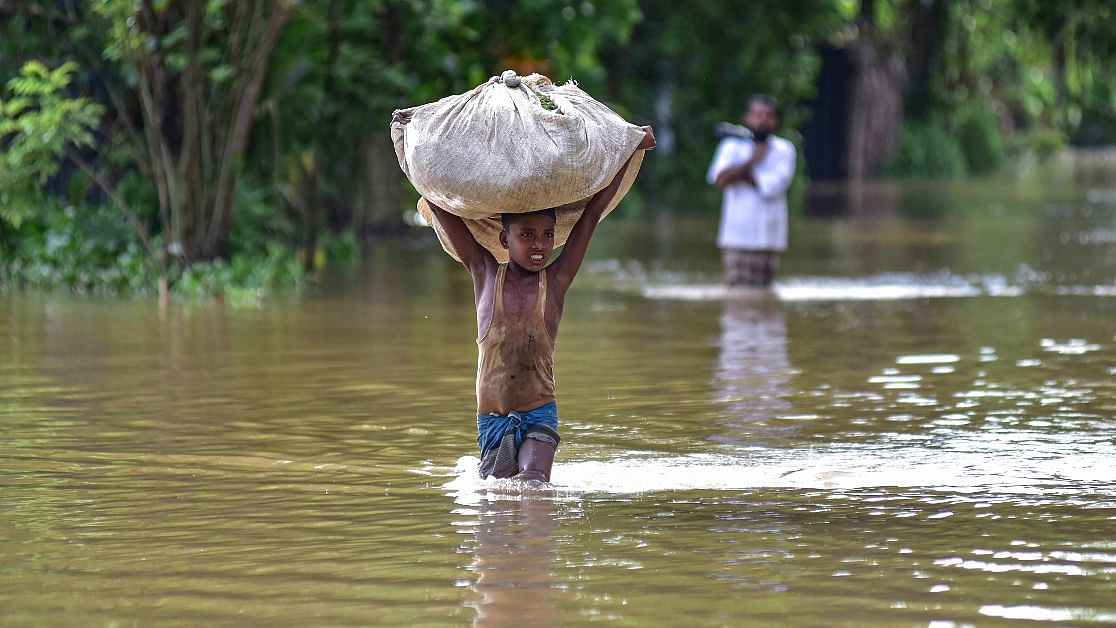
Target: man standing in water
pixel 753 173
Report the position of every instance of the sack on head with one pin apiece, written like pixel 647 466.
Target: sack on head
pixel 513 145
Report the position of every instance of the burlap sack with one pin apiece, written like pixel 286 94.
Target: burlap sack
pixel 496 150
pixel 486 230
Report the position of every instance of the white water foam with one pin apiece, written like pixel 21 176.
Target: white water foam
pixel 1005 467
pixel 883 288
pixel 887 288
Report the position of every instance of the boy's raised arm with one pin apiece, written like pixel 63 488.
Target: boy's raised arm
pixel 473 256
pixel 573 252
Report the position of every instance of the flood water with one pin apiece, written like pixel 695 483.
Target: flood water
pixel 916 426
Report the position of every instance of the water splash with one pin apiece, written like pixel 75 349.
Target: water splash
pixel 964 465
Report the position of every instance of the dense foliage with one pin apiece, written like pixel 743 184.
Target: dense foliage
pixel 228 143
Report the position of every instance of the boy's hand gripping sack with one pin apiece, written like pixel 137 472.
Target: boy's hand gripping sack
pixel 514 145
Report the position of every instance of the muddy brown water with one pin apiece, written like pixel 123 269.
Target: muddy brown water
pixel 916 426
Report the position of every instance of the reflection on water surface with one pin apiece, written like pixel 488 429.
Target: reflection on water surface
pixel 917 425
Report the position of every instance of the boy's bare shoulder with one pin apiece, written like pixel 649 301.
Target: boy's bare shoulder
pixel 485 277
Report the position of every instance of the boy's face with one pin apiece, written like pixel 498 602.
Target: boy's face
pixel 529 241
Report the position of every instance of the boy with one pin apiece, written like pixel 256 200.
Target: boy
pixel 519 305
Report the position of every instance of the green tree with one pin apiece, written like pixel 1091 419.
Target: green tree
pixel 343 66
pixel 1080 36
pixel 688 66
pixel 198 69
pixel 265 105
pixel 39 123
pixel 989 70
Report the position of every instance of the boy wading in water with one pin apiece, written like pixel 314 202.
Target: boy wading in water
pixel 519 305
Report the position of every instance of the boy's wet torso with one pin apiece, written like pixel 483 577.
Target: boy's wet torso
pixel 515 368
pixel 530 242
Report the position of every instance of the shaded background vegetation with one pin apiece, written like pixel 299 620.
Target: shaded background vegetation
pixel 232 145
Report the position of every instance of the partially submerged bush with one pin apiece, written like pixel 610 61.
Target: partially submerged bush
pixel 978 134
pixel 1039 143
pixel 926 150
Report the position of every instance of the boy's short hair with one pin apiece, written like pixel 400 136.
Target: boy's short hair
pixel 505 219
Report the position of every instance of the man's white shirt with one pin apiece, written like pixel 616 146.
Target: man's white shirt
pixel 754 218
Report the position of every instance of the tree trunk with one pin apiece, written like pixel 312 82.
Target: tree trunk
pixel 192 163
pixel 876 108
pixel 1058 72
pixel 237 134
pixel 875 100
pixel 927 23
pixel 383 200
pixel 323 163
pixel 311 217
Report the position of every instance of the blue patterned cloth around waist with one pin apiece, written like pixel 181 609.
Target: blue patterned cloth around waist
pixel 492 427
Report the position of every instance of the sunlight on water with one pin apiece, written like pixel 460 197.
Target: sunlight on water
pixel 1039 613
pixel 934 358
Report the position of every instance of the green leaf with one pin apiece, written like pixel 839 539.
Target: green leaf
pixel 36 126
pixel 222 73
